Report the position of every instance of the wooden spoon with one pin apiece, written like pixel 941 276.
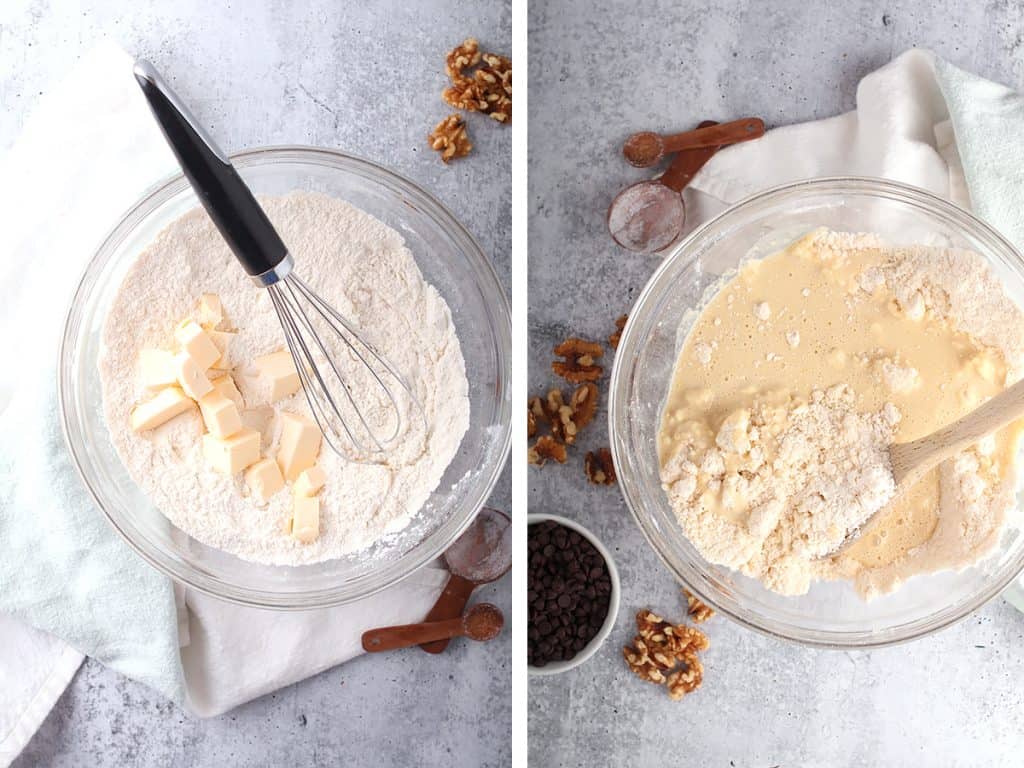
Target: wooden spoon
pixel 482 554
pixel 911 461
pixel 646 148
pixel 483 622
pixel 648 216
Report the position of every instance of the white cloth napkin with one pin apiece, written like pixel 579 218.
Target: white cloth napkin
pixel 68 585
pixel 901 130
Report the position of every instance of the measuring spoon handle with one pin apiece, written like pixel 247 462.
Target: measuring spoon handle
pixel 406 635
pixel 686 164
pixel 449 605
pixel 716 135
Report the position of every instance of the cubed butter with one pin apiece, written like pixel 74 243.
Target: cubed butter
pixel 278 368
pixel 264 478
pixel 222 340
pixel 306 518
pixel 299 445
pixel 220 414
pixel 232 454
pixel 197 343
pixel 167 404
pixel 310 481
pixel 211 311
pixel 190 376
pixel 157 367
pixel 226 386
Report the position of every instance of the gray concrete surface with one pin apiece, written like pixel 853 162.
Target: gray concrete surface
pixel 365 77
pixel 598 71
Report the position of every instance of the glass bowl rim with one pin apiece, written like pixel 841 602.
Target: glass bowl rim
pixel 486 278
pixel 618 410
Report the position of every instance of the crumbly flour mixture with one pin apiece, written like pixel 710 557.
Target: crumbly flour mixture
pixel 796 377
pixel 363 268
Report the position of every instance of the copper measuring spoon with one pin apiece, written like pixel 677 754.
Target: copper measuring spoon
pixel 483 622
pixel 483 553
pixel 646 148
pixel 648 216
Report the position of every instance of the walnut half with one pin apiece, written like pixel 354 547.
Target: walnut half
pixel 465 93
pixel 461 57
pixel 599 467
pixel 666 653
pixel 578 363
pixel 495 81
pixel 698 611
pixel 546 448
pixel 450 138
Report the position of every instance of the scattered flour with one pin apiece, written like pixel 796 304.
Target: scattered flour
pixel 362 267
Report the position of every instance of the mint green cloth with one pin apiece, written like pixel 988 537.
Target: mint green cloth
pixel 987 120
pixel 64 569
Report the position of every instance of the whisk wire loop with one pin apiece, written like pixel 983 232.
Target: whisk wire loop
pixel 290 297
pixel 300 353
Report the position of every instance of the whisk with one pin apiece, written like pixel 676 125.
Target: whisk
pixel 359 399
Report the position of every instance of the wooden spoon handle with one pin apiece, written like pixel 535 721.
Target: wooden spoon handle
pixel 406 635
pixel 715 135
pixel 449 605
pixel 686 164
pixel 917 457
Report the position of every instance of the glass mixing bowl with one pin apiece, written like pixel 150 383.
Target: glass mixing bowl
pixel 450 260
pixel 831 614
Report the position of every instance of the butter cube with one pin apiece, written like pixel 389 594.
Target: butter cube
pixel 226 386
pixel 211 311
pixel 264 478
pixel 190 376
pixel 299 445
pixel 232 454
pixel 220 414
pixel 306 518
pixel 167 404
pixel 197 343
pixel 310 481
pixel 278 368
pixel 221 340
pixel 157 368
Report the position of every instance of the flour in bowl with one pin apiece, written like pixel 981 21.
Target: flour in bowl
pixel 364 269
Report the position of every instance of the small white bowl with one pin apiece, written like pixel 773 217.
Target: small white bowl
pixel 554 667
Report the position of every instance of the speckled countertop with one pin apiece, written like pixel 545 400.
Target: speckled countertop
pixel 600 70
pixel 365 77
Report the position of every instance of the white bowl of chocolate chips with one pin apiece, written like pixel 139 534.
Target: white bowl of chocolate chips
pixel 572 594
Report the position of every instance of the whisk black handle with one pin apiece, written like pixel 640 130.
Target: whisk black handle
pixel 221 190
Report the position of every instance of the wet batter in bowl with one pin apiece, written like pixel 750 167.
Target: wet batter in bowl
pixel 798 374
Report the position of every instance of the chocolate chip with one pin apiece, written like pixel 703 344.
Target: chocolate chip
pixel 568 596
